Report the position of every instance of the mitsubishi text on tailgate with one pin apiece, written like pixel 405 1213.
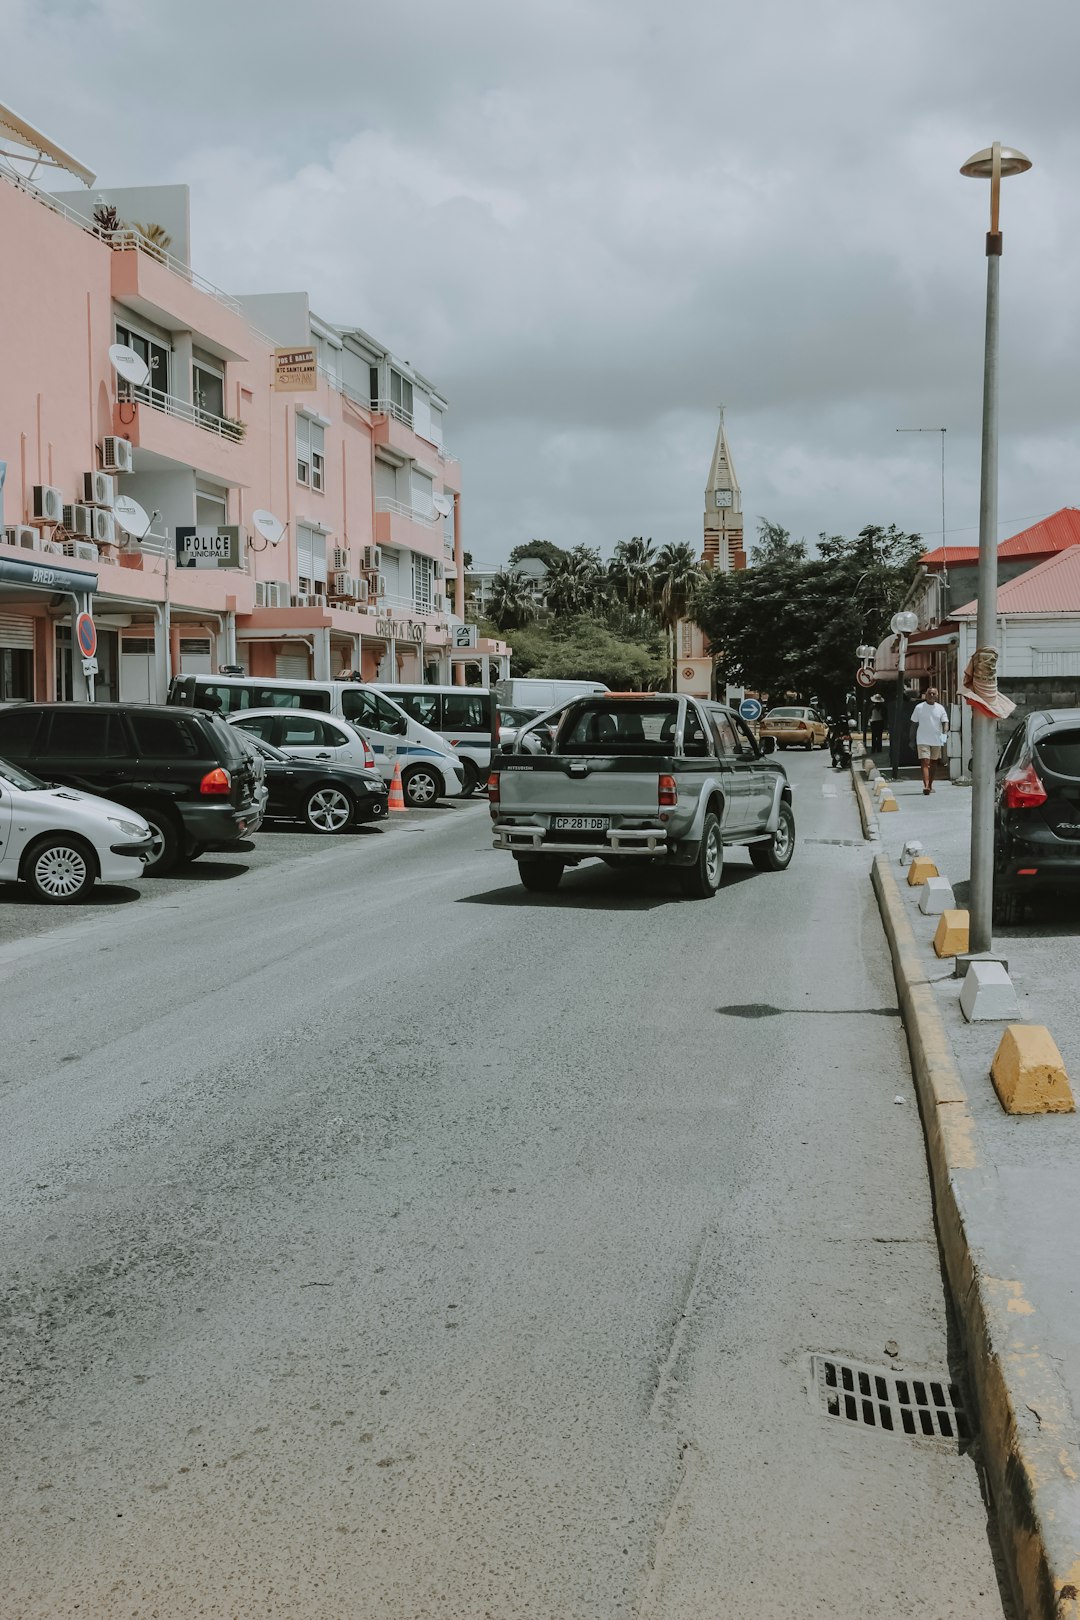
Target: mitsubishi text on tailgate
pixel 637 777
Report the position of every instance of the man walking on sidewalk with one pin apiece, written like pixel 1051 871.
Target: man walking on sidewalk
pixel 931 722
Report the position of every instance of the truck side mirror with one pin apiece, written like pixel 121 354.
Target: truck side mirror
pixel 767 744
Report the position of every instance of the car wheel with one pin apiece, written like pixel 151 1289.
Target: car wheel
pixel 1008 908
pixel 166 851
pixel 701 881
pixel 328 810
pixel 471 778
pixel 774 854
pixel 60 869
pixel 421 786
pixel 541 877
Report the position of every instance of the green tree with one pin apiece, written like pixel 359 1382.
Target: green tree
pixel 775 545
pixel 792 625
pixel 585 648
pixel 677 578
pixel 545 551
pixel 630 573
pixel 513 599
pixel 575 584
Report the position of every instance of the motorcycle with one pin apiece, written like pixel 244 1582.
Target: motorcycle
pixel 839 740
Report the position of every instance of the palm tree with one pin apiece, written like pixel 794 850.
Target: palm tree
pixel 513 599
pixel 677 578
pixel 574 584
pixel 155 237
pixel 630 572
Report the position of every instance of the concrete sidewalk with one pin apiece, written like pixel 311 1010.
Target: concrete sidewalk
pixel 1007 1190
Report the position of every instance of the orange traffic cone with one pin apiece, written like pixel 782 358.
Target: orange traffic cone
pixel 396 801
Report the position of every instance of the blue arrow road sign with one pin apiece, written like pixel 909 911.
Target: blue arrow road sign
pixel 750 709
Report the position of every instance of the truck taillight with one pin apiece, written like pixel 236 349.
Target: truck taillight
pixel 1023 789
pixel 666 790
pixel 493 791
pixel 216 782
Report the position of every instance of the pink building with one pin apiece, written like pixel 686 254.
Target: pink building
pixel 335 508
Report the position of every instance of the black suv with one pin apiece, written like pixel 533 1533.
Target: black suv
pixel 182 770
pixel 1037 813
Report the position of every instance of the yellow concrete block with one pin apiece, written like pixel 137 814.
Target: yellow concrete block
pixel 1028 1074
pixel 952 933
pixel 887 802
pixel 921 868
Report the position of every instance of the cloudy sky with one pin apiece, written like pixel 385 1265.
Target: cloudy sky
pixel 592 221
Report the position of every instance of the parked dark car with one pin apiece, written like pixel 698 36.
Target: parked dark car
pixel 1037 811
pixel 328 798
pixel 182 770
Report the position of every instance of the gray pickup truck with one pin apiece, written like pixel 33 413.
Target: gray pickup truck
pixel 629 778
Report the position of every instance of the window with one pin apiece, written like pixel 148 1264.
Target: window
pixel 725 735
pixel 367 708
pixel 211 508
pixel 422 491
pixel 746 738
pixel 155 356
pixel 311 556
pixel 261 724
pixel 1060 752
pixel 86 733
pixel 465 711
pixel 401 397
pixel 423 576
pixel 160 736
pixel 696 743
pixel 303 731
pixel 17 730
pixel 373 386
pixel 423 707
pixel 638 727
pixel 291 697
pixel 208 387
pixel 310 452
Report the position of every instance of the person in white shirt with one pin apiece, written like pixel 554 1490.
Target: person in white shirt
pixel 931 722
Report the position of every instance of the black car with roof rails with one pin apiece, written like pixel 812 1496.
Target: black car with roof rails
pixel 183 771
pixel 328 798
pixel 1037 811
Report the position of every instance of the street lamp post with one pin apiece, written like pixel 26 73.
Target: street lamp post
pixel 902 625
pixel 992 163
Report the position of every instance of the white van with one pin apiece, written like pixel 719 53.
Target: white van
pixel 524 693
pixel 429 770
pixel 462 715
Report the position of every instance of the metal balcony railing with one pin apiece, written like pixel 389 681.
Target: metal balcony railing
pixel 171 405
pixel 383 503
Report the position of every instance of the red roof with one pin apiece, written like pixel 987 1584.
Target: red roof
pixel 1052 586
pixel 1056 533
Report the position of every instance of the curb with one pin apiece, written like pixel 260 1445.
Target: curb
pixel 1028 1435
pixel 867 813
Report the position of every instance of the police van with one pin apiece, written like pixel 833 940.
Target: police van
pixel 429 769
pixel 463 716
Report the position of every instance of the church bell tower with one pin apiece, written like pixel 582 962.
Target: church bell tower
pixel 723 509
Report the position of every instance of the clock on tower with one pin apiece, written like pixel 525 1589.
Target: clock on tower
pixel 723 498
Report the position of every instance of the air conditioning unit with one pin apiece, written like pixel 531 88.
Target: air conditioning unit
pixel 318 600
pixel 341 558
pixel 53 547
pixel 98 489
pixel 79 520
pixel 301 599
pixel 79 548
pixel 361 590
pixel 48 503
pixel 21 534
pixel 278 594
pixel 343 585
pixel 261 588
pixel 104 526
pixel 372 558
pixel 116 454
pixel 380 584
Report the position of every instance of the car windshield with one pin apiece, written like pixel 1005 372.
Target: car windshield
pixel 20 779
pixel 259 746
pixel 635 727
pixel 1060 752
pixel 785 714
pixel 517 717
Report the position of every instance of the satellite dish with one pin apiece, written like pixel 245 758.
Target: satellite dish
pixel 443 504
pixel 130 516
pixel 128 365
pixel 270 527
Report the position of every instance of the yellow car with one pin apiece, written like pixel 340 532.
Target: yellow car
pixel 795 727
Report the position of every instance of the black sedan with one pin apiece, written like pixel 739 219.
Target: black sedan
pixel 1037 811
pixel 328 798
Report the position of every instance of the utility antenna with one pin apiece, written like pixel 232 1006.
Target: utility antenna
pixel 944 559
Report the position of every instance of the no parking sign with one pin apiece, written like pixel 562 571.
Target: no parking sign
pixel 86 635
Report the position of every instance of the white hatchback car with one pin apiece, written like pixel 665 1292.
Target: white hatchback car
pixel 59 841
pixel 308 734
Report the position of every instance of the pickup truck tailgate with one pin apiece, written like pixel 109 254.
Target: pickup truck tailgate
pixel 590 785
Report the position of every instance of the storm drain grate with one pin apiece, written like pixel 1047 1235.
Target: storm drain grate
pixel 880 1398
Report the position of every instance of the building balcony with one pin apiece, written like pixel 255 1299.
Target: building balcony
pixel 407 529
pixel 170 430
pixel 151 282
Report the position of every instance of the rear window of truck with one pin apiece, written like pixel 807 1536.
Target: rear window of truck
pixel 646 727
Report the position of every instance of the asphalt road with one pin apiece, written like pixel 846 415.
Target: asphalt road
pixel 384 1242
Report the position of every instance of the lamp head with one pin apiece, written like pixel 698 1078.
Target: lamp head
pixel 981 165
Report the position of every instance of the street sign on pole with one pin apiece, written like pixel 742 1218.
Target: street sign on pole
pixel 750 709
pixel 86 635
pixel 865 676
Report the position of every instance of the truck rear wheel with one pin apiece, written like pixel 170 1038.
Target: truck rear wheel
pixel 774 854
pixel 701 881
pixel 541 877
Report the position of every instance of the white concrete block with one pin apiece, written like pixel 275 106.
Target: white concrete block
pixel 936 897
pixel 912 848
pixel 988 993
